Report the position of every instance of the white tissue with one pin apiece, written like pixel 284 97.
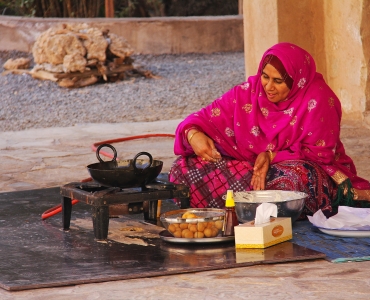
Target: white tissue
pixel 264 211
pixel 347 218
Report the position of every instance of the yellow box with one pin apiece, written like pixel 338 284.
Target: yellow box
pixel 250 235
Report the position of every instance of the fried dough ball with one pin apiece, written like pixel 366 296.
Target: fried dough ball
pixel 189 215
pixel 208 232
pixel 198 235
pixel 219 224
pixel 201 226
pixel 214 231
pixel 172 228
pixel 186 233
pixel 184 225
pixel 193 227
pixel 210 224
pixel 177 234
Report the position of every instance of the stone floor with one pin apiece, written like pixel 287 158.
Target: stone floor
pixel 50 157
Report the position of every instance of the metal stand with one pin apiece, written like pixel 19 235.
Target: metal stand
pixel 100 198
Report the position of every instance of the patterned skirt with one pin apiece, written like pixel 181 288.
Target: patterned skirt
pixel 209 181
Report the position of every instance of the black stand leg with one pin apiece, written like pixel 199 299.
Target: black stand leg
pixel 100 218
pixel 152 214
pixel 184 202
pixel 66 212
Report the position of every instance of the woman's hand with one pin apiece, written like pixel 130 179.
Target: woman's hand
pixel 202 145
pixel 261 166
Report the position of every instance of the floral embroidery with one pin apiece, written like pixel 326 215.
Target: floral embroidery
pixel 255 131
pixel 287 141
pixel 310 133
pixel 216 112
pixel 265 111
pixel 301 127
pixel 289 111
pixel 236 148
pixel 237 124
pixel 308 59
pixel 331 101
pixel 274 126
pixel 292 122
pixel 245 86
pixel 229 132
pixel 250 146
pixel 305 149
pixel 301 83
pixel 311 104
pixel 270 147
pixel 247 107
pixel 320 143
pixel 260 94
pixel 234 101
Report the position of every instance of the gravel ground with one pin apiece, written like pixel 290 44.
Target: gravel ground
pixel 187 82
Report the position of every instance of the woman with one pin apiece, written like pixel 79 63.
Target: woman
pixel 277 131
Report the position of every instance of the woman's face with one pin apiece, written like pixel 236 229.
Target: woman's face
pixel 274 86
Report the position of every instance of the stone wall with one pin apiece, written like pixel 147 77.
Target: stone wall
pixel 336 33
pixel 146 35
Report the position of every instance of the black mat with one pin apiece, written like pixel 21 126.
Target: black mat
pixel 337 249
pixel 38 253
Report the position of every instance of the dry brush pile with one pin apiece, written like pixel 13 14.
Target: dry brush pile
pixel 76 55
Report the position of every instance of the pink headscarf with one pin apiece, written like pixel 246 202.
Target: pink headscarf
pixel 305 126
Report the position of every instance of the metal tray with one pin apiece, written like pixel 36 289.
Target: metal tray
pixel 168 237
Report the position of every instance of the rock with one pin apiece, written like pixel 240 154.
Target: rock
pixel 53 44
pixel 49 67
pixel 18 63
pixel 95 44
pixel 119 46
pixel 74 62
pixel 82 52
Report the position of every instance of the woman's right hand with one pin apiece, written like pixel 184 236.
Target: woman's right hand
pixel 202 145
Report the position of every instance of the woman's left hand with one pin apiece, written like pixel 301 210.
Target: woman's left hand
pixel 261 167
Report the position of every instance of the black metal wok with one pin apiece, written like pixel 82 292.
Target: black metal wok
pixel 125 173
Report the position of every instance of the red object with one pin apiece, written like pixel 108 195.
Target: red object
pixel 109 8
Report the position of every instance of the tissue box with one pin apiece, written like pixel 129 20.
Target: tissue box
pixel 250 235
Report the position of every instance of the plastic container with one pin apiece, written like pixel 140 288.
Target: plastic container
pixel 231 219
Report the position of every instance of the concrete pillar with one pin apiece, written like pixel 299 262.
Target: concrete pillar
pixel 260 31
pixel 346 65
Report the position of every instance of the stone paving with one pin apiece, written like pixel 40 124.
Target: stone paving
pixel 50 157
